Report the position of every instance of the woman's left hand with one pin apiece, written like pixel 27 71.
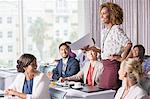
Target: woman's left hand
pixel 10 92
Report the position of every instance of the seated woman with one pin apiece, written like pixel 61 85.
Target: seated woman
pixel 29 83
pixel 130 73
pixel 91 70
pixel 137 52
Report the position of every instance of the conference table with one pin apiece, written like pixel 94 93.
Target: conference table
pixel 61 92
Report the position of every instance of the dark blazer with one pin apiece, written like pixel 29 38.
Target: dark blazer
pixel 72 68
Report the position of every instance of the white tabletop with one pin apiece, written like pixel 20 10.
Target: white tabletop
pixel 77 94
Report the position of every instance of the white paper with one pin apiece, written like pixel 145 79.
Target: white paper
pixel 82 42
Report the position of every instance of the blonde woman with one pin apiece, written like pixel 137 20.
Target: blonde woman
pixel 130 73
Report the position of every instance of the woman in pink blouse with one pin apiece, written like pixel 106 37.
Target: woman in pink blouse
pixel 114 42
pixel 91 70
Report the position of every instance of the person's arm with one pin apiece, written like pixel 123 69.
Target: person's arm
pixel 74 68
pixel 13 87
pixel 99 72
pixel 55 72
pixel 76 77
pixel 123 40
pixel 126 53
pixel 15 93
pixel 130 55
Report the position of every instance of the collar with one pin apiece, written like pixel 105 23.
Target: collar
pixel 64 60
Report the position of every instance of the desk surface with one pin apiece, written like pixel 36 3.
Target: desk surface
pixel 72 93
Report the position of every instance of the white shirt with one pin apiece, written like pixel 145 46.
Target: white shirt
pixel 135 92
pixel 64 60
pixel 113 41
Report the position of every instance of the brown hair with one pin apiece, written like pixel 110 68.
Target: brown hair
pixel 24 61
pixel 116 12
pixel 93 48
pixel 141 52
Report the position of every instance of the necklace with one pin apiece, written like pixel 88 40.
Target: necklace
pixel 104 39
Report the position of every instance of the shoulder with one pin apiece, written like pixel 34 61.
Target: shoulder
pixel 20 75
pixel 87 63
pixel 71 59
pixel 99 64
pixel 59 62
pixel 139 91
pixel 117 29
pixel 40 75
pixel 119 93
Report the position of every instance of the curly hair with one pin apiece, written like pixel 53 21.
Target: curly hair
pixel 116 12
pixel 134 69
pixel 24 61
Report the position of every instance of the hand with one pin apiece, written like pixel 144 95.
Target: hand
pixel 15 93
pixel 65 79
pixel 61 79
pixel 50 74
pixel 114 57
pixel 10 92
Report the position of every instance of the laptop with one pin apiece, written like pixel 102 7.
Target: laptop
pixel 1 93
pixel 90 89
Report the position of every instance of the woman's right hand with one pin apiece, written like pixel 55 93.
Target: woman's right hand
pixel 115 57
pixel 64 79
pixel 12 92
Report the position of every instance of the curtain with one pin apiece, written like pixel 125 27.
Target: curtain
pixel 136 20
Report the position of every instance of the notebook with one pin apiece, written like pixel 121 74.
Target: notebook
pixel 1 93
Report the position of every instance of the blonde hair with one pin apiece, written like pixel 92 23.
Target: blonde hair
pixel 115 11
pixel 133 68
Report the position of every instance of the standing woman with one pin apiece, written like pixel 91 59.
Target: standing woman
pixel 114 42
pixel 29 83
